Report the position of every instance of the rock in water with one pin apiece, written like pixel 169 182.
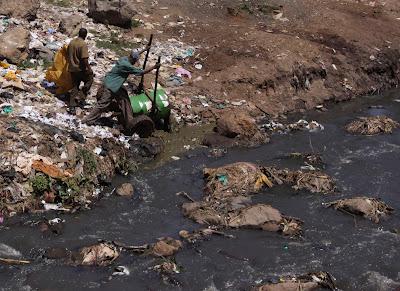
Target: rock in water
pixel 240 126
pixel 125 190
pixel 118 13
pixel 14 45
pixel 15 8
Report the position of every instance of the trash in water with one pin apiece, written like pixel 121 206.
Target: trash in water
pixel 308 282
pixel 370 208
pixel 121 271
pixel 102 254
pixel 230 214
pixel 234 179
pixel 311 126
pixel 166 247
pixel 167 267
pixel 202 234
pixel 372 125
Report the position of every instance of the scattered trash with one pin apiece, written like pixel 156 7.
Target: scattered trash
pixel 121 271
pixel 371 208
pixel 202 234
pixel 164 247
pixel 167 267
pixel 182 72
pixel 14 261
pixel 372 125
pixel 7 109
pixel 312 126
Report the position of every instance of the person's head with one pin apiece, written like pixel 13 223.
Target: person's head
pixel 133 57
pixel 82 33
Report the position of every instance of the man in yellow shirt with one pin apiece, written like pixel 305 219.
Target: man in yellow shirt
pixel 78 66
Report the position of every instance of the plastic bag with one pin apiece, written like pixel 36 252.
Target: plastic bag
pixel 59 74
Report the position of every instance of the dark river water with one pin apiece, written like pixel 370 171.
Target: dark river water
pixel 361 255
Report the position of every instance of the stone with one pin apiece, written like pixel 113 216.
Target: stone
pixel 236 123
pixel 240 126
pixel 125 190
pixel 14 45
pixel 17 9
pixel 113 12
pixel 70 24
pixel 166 247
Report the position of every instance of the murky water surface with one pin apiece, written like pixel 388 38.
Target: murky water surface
pixel 358 253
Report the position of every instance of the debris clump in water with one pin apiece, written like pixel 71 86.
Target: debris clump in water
pixel 370 208
pixel 372 125
pixel 307 282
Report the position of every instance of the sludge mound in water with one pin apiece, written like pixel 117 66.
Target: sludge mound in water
pixel 307 282
pixel 227 214
pixel 372 125
pixel 244 178
pixel 370 208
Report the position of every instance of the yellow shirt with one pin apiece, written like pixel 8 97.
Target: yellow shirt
pixel 77 51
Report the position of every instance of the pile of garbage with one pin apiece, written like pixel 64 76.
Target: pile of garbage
pixel 227 203
pixel 235 213
pixel 245 178
pixel 46 168
pixel 307 282
pixel 235 179
pixel 370 208
pixel 372 125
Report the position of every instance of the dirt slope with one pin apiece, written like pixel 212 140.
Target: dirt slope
pixel 317 50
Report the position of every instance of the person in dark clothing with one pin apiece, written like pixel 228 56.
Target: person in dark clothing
pixel 79 68
pixel 112 95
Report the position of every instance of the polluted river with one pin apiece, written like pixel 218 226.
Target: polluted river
pixel 358 253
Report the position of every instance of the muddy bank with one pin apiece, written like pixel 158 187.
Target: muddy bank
pixel 280 57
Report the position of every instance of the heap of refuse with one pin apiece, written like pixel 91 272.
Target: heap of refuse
pixel 370 208
pixel 245 178
pixel 236 213
pixel 372 125
pixel 227 202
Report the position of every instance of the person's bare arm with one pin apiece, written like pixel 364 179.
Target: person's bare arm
pixel 156 66
pixel 144 50
pixel 87 65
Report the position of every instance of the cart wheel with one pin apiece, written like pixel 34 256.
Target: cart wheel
pixel 143 126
